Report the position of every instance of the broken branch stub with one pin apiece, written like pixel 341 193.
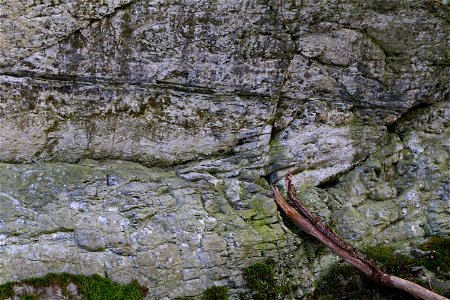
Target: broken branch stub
pixel 312 225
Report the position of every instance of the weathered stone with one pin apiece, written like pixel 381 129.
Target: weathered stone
pixel 29 26
pixel 137 138
pixel 409 184
pixel 131 229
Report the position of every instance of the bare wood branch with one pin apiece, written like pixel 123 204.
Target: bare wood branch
pixel 326 230
pixel 312 225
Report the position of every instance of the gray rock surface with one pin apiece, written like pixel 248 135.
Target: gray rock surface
pixel 137 138
pixel 399 192
pixel 122 220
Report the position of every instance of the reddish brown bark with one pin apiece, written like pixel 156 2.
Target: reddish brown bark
pixel 312 225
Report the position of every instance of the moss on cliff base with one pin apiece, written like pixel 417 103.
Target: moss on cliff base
pixel 343 281
pixel 438 260
pixel 215 293
pixel 263 283
pixel 6 290
pixel 92 287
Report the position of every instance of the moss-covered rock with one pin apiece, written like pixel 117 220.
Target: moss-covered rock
pixel 215 293
pixel 263 283
pixel 92 287
pixel 134 135
pixel 343 281
pixel 438 259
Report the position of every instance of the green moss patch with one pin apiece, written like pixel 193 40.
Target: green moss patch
pixel 92 287
pixel 343 281
pixel 6 290
pixel 29 297
pixel 390 262
pixel 216 293
pixel 439 259
pixel 260 279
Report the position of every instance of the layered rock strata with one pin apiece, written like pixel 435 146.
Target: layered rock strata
pixel 138 138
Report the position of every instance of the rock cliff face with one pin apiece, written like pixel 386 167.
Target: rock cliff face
pixel 138 138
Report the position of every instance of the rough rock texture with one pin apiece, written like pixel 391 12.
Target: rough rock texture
pixel 137 137
pixel 127 221
pixel 401 192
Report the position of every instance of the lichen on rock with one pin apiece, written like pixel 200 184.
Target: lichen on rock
pixel 138 139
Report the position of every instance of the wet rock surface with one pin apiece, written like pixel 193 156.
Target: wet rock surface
pixel 138 138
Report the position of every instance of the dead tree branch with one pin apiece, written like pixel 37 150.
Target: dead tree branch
pixel 312 225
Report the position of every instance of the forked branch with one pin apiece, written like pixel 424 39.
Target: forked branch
pixel 312 225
